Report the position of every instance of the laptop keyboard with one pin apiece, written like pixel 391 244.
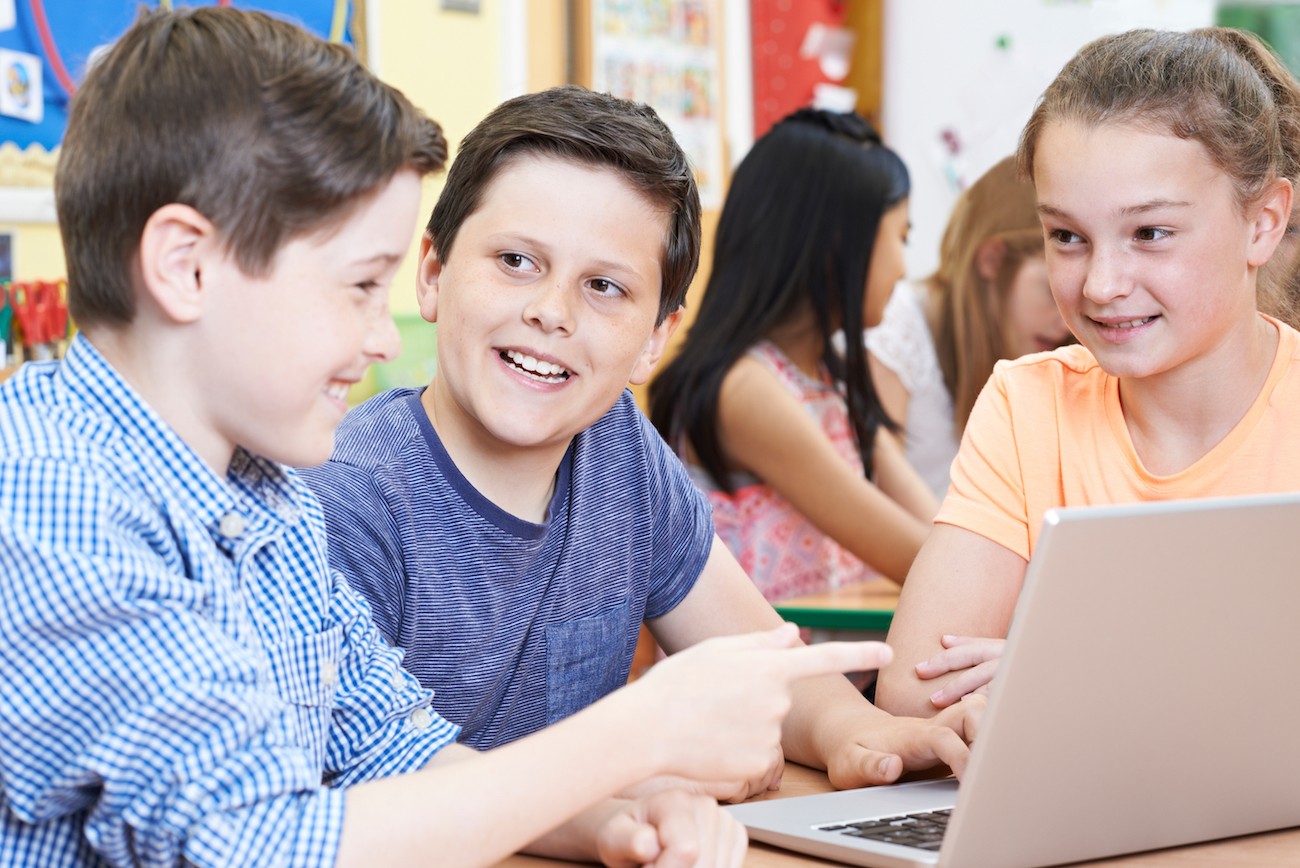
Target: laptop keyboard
pixel 923 830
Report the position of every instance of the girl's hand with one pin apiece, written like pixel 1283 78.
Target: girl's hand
pixel 975 658
pixel 884 746
pixel 670 829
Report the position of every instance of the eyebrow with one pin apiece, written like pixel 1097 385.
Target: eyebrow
pixel 380 259
pixel 1126 211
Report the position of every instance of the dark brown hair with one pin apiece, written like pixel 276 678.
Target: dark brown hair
pixel 269 132
pixel 595 129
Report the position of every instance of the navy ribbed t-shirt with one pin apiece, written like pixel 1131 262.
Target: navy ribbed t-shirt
pixel 514 625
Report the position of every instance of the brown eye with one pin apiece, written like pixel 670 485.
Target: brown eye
pixel 517 262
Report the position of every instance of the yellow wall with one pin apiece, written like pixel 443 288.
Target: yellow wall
pixel 38 253
pixel 446 63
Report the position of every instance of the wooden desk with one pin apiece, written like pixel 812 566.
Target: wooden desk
pixel 1265 850
pixel 867 608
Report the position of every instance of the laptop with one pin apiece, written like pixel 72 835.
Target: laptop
pixel 1145 699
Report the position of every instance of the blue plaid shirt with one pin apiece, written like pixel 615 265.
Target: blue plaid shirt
pixel 181 676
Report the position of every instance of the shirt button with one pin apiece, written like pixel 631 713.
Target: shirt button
pixel 329 672
pixel 231 525
pixel 420 718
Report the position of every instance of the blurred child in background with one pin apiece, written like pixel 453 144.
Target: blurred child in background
pixel 1165 165
pixel 987 300
pixel 809 485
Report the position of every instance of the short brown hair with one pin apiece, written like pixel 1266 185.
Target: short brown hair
pixel 269 132
pixel 595 129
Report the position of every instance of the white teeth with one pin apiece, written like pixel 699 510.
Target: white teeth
pixel 338 392
pixel 536 366
pixel 1133 323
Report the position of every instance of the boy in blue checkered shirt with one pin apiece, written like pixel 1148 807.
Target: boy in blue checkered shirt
pixel 182 679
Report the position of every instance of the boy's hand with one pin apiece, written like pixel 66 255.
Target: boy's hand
pixel 716 709
pixel 732 792
pixel 671 829
pixel 901 744
pixel 975 658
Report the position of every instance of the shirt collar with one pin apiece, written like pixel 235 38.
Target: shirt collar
pixel 255 487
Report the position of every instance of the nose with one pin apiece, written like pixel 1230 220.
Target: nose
pixel 383 342
pixel 1107 278
pixel 550 307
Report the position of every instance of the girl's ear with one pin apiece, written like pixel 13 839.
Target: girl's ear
pixel 654 348
pixel 177 245
pixel 1270 222
pixel 428 273
pixel 988 257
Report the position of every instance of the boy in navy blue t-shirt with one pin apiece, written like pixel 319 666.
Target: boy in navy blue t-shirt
pixel 514 523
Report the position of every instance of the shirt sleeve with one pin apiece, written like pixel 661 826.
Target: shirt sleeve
pixel 383 722
pixel 682 523
pixel 987 494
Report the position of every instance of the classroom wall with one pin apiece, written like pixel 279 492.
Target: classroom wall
pixel 969 73
pixel 445 63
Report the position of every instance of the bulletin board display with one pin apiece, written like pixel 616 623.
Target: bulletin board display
pixel 45 45
pixel 666 53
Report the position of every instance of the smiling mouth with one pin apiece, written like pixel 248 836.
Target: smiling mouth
pixel 338 390
pixel 1128 324
pixel 537 369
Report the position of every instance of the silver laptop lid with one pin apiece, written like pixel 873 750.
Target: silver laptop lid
pixel 1144 698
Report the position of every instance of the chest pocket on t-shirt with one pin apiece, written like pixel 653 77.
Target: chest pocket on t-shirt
pixel 585 660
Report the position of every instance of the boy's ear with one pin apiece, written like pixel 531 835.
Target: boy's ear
pixel 654 348
pixel 1270 222
pixel 988 257
pixel 175 247
pixel 427 274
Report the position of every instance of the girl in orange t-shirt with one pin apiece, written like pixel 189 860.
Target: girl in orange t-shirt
pixel 1164 165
